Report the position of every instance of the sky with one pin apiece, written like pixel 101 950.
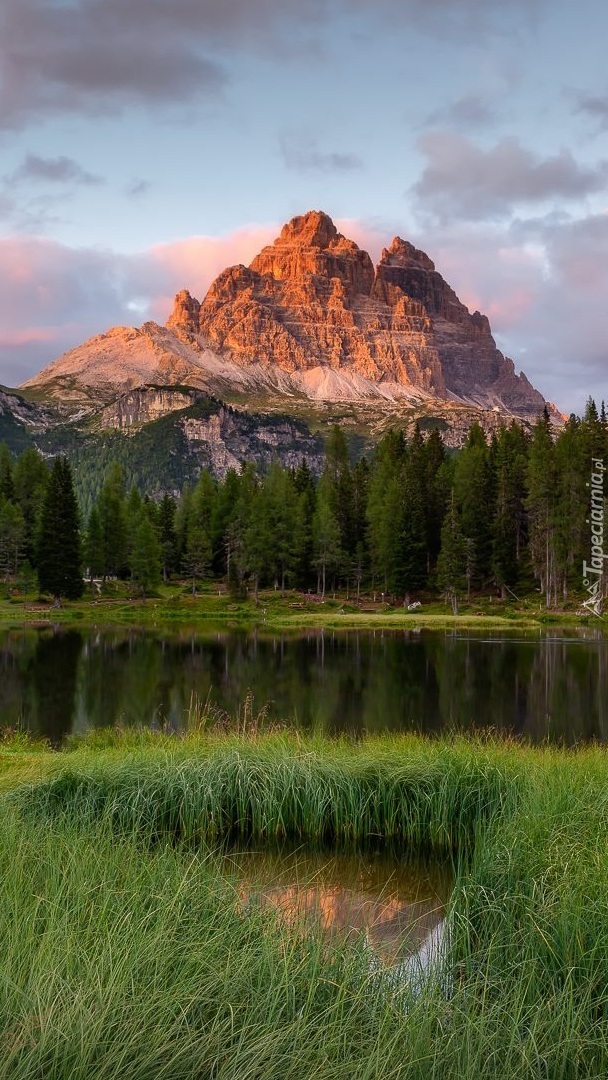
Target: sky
pixel 147 144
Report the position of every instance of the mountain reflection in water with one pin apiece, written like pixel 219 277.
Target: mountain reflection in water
pixel 394 904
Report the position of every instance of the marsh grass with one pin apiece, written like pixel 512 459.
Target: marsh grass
pixel 124 952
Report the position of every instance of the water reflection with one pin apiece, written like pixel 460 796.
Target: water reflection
pixel 394 904
pixel 549 685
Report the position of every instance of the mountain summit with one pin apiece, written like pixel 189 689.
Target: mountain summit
pixel 310 324
pixel 312 302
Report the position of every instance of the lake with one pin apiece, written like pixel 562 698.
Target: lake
pixel 542 685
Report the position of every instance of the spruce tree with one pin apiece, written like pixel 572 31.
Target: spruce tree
pixel 541 484
pixel 7 486
pixel 451 564
pixel 59 550
pixel 146 555
pixel 113 516
pixel 30 477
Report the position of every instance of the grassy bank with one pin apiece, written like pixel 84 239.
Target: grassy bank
pixel 125 953
pixel 212 609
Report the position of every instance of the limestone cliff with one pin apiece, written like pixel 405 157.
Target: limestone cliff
pixel 312 301
pixel 309 329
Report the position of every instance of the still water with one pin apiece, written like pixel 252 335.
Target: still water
pixel 394 904
pixel 543 685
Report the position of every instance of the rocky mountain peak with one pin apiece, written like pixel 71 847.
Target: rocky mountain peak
pixel 185 312
pixel 309 247
pixel 310 320
pixel 313 229
pixel 402 253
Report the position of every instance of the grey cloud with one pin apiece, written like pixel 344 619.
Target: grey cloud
pixel 543 284
pixel 469 112
pixel 594 106
pixel 100 57
pixel 137 188
pixel 473 183
pixel 301 154
pixel 59 170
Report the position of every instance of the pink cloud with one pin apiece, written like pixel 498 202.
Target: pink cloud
pixel 195 262
pixel 19 338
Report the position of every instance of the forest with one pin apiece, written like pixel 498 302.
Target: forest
pixel 502 516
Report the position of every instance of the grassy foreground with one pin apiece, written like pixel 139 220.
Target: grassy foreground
pixel 125 953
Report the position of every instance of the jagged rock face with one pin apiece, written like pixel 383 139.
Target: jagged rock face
pixel 307 301
pixel 143 406
pixel 312 300
pixel 473 368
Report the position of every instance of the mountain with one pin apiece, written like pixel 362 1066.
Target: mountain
pixel 309 333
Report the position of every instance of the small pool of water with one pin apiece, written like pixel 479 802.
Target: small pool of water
pixel 395 904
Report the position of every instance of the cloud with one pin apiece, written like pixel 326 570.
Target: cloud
pixel 594 106
pixel 543 283
pixel 473 183
pixel 100 57
pixel 59 170
pixel 301 154
pixel 137 187
pixel 469 112
pixel 470 19
pixel 53 296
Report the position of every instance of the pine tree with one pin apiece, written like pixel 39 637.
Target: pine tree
pixel 58 552
pixel 412 568
pixel 113 516
pixel 198 554
pixel 146 556
pixel 12 536
pixel 30 477
pixel 540 503
pixel 167 535
pixel 7 486
pixel 302 539
pixel 93 546
pixel 435 495
pixel 509 517
pixel 326 533
pixel 451 564
pixel 474 492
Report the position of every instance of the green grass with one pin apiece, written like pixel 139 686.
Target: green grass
pixel 126 953
pixel 174 606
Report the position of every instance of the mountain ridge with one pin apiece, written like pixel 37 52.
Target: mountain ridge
pixel 310 319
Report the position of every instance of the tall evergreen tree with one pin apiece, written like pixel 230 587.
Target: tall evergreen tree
pixel 326 533
pixel 474 491
pixel 541 486
pixel 146 557
pixel 305 503
pixel 509 518
pixel 30 476
pixel 167 535
pixel 93 546
pixel 113 516
pixel 7 486
pixel 59 550
pixel 451 564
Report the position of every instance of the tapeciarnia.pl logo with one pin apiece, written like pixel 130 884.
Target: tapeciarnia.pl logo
pixel 593 571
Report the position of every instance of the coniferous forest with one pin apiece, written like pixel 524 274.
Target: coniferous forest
pixel 503 516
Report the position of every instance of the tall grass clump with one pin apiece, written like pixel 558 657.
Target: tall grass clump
pixel 126 953
pixel 405 793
